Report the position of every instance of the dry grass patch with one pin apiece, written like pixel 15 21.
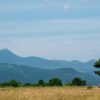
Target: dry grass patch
pixel 50 93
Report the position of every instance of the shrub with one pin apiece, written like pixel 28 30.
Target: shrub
pixel 78 82
pixel 41 83
pixel 89 87
pixel 55 82
pixel 14 83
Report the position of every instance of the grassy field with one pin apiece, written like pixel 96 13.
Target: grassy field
pixel 47 93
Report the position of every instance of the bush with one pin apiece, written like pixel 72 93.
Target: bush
pixel 14 83
pixel 78 82
pixel 41 83
pixel 89 87
pixel 55 82
pixel 98 86
pixel 6 84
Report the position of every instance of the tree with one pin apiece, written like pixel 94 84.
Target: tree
pixel 41 83
pixel 14 83
pixel 78 82
pixel 6 84
pixel 55 82
pixel 97 65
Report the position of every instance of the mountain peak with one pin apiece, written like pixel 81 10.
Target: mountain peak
pixel 5 49
pixel 6 53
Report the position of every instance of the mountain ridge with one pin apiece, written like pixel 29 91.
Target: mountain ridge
pixel 31 74
pixel 26 68
pixel 6 56
pixel 12 53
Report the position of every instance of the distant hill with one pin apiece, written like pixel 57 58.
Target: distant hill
pixel 31 74
pixel 6 56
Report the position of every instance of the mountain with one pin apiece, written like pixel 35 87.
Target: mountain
pixel 6 56
pixel 31 69
pixel 31 74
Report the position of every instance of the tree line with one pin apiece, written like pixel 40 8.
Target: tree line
pixel 41 83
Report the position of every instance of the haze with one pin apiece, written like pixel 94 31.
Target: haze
pixel 53 29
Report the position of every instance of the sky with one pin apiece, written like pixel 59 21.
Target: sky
pixel 52 29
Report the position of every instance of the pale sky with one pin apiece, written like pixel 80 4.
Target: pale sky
pixel 52 29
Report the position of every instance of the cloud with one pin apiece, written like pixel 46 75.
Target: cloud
pixel 49 28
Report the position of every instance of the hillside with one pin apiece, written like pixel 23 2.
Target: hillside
pixel 31 69
pixel 31 74
pixel 6 56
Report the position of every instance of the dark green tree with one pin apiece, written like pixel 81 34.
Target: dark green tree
pixel 41 83
pixel 55 82
pixel 14 83
pixel 6 84
pixel 97 65
pixel 78 82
